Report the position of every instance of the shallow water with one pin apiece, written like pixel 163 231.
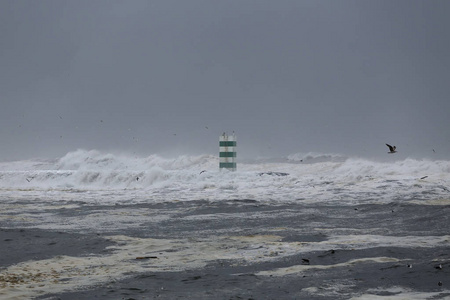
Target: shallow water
pixel 229 249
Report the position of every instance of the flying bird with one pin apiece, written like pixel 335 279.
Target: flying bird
pixel 391 148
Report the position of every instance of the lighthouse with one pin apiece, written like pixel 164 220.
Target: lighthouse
pixel 227 152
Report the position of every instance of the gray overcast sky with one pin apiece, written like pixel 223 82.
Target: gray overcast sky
pixel 170 76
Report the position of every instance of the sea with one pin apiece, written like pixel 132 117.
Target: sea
pixel 97 225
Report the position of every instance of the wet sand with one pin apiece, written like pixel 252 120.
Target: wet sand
pixel 225 250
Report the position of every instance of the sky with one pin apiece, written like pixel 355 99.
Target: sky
pixel 168 77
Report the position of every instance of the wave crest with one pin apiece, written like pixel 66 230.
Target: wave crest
pixel 306 177
pixel 315 157
pixel 95 160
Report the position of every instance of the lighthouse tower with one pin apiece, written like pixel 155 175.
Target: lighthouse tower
pixel 227 152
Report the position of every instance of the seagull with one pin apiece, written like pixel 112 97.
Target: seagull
pixel 391 148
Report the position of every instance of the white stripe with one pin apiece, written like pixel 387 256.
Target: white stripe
pixel 226 159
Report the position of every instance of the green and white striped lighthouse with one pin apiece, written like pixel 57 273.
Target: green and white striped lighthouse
pixel 227 152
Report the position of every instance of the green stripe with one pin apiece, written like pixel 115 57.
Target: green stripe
pixel 227 154
pixel 227 165
pixel 227 143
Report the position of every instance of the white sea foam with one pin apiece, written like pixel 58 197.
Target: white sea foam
pixel 61 273
pixel 313 157
pixel 31 190
pixel 325 178
pixel 33 278
pixel 303 268
pixel 399 293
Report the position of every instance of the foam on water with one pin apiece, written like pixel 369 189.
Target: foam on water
pixel 311 177
pixel 303 268
pixel 93 185
pixel 131 256
pixel 398 293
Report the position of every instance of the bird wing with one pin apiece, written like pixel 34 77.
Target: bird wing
pixel 390 147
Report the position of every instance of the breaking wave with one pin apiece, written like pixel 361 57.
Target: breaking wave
pixel 299 177
pixel 314 157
